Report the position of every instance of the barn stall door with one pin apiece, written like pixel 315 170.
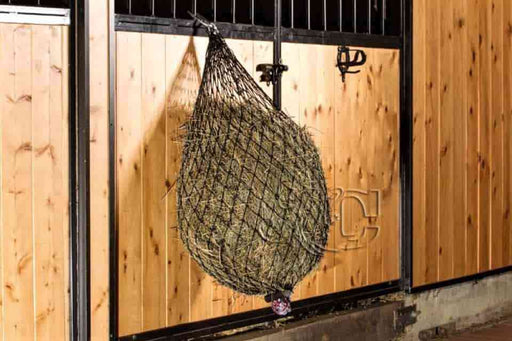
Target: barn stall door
pixel 34 217
pixel 355 125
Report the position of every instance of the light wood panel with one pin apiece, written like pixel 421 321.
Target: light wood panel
pixel 462 146
pixel 129 180
pixel 99 155
pixel 157 81
pixel 34 182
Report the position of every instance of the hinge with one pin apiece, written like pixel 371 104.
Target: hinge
pixel 404 317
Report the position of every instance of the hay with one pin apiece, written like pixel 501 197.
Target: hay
pixel 252 200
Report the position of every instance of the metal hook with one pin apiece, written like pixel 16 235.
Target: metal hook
pixel 345 63
pixel 212 29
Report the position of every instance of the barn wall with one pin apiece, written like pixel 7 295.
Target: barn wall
pixel 355 126
pixel 34 182
pixel 462 138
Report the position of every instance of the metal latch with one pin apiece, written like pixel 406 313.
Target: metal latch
pixel 270 73
pixel 404 317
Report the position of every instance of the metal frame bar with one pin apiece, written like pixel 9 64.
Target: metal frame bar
pixel 301 309
pixel 80 293
pixel 132 23
pixel 406 144
pixel 277 51
pixel 113 226
pixel 34 15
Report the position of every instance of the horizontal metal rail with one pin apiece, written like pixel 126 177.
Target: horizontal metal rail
pixel 34 15
pixel 341 301
pixel 131 23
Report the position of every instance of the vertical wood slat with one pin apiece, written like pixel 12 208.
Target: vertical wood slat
pixel 484 142
pixel 50 160
pixel 182 74
pixel 153 182
pixel 129 180
pixel 419 143
pixel 389 219
pixel 472 152
pixel 349 124
pixel 17 189
pixel 201 285
pixel 507 129
pixel 496 126
pixel 376 156
pixel 459 60
pixel 433 33
pixel 446 147
pixel 99 169
pixel 290 105
pixel 324 126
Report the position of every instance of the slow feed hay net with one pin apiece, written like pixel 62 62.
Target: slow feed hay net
pixel 252 200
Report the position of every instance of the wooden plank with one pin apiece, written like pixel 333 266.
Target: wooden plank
pixel 65 164
pixel 390 199
pixel 324 131
pixel 50 195
pixel 307 89
pixel 446 147
pixel 459 137
pixel 496 158
pixel 432 124
pixel 507 128
pixel 129 181
pixel 472 155
pixel 484 134
pixel 201 285
pixel 291 106
pixel 6 88
pixel 182 74
pixel 154 244
pixel 17 185
pixel 99 154
pixel 44 200
pixel 350 174
pixel 419 143
pixel 377 149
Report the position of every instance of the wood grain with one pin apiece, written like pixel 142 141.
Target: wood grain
pixel 419 144
pixel 129 181
pixel 99 170
pixel 466 159
pixel 472 72
pixel 17 189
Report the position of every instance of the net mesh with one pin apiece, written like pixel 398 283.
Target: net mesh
pixel 252 201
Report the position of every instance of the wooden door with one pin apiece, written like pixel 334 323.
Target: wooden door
pixel 355 125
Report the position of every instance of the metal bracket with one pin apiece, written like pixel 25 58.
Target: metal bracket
pixel 344 62
pixel 271 73
pixel 404 317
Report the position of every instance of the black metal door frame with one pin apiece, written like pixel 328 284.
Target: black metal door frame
pixel 79 205
pixel 306 307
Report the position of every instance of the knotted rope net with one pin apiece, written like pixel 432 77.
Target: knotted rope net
pixel 252 201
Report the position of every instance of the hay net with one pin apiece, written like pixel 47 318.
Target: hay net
pixel 252 200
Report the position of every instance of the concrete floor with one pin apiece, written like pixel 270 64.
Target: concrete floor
pixel 499 332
